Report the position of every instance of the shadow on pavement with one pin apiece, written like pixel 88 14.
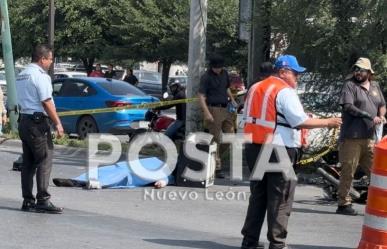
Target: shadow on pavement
pixel 199 244
pixel 213 245
pixel 311 211
pixel 316 247
pixel 10 208
pixel 318 202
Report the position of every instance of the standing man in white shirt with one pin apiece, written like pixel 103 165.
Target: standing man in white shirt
pixel 272 108
pixel 37 111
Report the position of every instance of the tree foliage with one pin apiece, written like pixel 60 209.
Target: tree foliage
pixel 222 32
pixel 328 36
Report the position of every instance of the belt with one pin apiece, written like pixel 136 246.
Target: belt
pixel 30 116
pixel 218 105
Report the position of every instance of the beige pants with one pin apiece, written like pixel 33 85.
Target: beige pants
pixel 353 153
pixel 223 121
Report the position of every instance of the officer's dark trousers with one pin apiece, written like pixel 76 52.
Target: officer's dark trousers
pixel 274 195
pixel 37 157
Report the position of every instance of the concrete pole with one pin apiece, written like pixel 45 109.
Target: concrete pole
pixel 9 65
pixel 196 62
pixel 259 44
pixel 51 28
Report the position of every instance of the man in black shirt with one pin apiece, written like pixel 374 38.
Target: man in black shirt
pixel 130 77
pixel 364 108
pixel 214 92
pixel 110 73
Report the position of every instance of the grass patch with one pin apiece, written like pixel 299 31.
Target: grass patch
pixel 66 140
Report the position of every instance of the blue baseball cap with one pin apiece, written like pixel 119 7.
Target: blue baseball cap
pixel 288 61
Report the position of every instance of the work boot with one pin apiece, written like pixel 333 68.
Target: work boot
pixel 285 247
pixel 28 206
pixel 252 245
pixel 279 247
pixel 47 207
pixel 346 210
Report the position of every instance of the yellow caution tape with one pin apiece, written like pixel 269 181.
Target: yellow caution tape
pixel 130 107
pixel 315 158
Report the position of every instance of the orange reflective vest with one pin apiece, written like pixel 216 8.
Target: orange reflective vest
pixel 260 112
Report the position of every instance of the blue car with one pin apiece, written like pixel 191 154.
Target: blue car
pixel 92 93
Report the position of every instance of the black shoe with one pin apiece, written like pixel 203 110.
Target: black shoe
pixel 47 207
pixel 219 174
pixel 346 210
pixel 28 206
pixel 252 245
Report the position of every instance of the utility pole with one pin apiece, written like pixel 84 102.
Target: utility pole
pixel 259 43
pixel 9 65
pixel 196 60
pixel 51 28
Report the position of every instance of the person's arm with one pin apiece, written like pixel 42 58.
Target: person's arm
pixel 382 113
pixel 234 103
pixel 50 109
pixel 312 123
pixel 382 106
pixel 203 99
pixel 288 103
pixel 356 112
pixel 206 111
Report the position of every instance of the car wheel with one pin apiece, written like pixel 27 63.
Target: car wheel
pixel 85 126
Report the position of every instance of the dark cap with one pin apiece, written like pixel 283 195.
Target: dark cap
pixel 216 61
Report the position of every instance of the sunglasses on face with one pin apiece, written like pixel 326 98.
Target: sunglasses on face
pixel 292 71
pixel 360 70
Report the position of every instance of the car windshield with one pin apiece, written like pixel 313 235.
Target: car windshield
pixel 121 88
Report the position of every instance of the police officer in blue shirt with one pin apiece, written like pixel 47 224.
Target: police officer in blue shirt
pixel 37 111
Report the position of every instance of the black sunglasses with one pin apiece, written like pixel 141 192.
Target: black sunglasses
pixel 359 70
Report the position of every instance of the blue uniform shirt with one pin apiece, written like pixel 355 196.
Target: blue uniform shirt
pixel 33 86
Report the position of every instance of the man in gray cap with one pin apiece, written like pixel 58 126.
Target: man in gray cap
pixel 364 108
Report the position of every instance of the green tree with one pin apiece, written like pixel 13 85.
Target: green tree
pixel 222 33
pixel 27 29
pixel 328 36
pixel 156 31
pixel 82 27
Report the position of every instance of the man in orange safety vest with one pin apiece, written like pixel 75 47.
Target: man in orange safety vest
pixel 274 114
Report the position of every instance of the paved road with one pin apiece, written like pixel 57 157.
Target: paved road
pixel 111 219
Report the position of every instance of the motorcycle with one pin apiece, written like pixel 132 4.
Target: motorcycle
pixel 330 172
pixel 158 123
